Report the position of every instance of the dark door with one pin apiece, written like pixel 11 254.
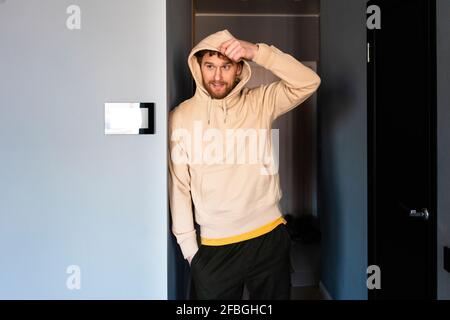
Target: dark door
pixel 402 149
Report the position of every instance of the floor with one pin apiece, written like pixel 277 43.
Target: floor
pixel 305 278
pixel 307 293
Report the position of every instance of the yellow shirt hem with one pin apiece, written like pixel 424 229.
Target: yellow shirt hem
pixel 245 236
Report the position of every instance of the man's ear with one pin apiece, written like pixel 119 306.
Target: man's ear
pixel 239 68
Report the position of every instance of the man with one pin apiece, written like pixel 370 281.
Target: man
pixel 243 240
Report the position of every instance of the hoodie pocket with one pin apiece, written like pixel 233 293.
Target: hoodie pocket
pixel 234 190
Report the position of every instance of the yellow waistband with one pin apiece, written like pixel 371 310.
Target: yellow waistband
pixel 245 236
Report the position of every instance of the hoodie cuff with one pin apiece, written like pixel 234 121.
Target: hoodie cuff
pixel 189 247
pixel 264 56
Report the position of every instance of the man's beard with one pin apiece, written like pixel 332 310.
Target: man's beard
pixel 222 95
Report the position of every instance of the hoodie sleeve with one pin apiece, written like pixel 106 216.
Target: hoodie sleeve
pixel 179 193
pixel 297 83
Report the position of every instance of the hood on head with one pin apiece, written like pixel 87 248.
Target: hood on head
pixel 213 42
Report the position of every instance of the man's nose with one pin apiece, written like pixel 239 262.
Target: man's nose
pixel 218 74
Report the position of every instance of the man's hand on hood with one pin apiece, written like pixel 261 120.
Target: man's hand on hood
pixel 236 50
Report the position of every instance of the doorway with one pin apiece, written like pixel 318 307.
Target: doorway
pixel 293 27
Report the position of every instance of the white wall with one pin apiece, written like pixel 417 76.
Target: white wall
pixel 69 194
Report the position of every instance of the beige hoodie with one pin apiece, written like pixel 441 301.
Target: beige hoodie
pixel 234 197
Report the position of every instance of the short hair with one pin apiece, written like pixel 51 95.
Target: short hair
pixel 201 53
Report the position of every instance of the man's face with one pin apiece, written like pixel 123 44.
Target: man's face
pixel 219 75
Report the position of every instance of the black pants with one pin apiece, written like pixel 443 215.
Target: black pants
pixel 262 264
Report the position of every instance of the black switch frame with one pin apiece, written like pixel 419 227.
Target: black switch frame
pixel 151 117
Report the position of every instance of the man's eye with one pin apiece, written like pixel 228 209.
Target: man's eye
pixel 227 67
pixel 209 67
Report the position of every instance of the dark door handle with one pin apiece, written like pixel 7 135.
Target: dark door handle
pixel 414 213
pixel 424 214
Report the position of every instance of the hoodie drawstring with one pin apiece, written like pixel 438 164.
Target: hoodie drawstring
pixel 224 109
pixel 209 111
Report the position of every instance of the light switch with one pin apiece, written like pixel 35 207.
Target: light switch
pixel 129 118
